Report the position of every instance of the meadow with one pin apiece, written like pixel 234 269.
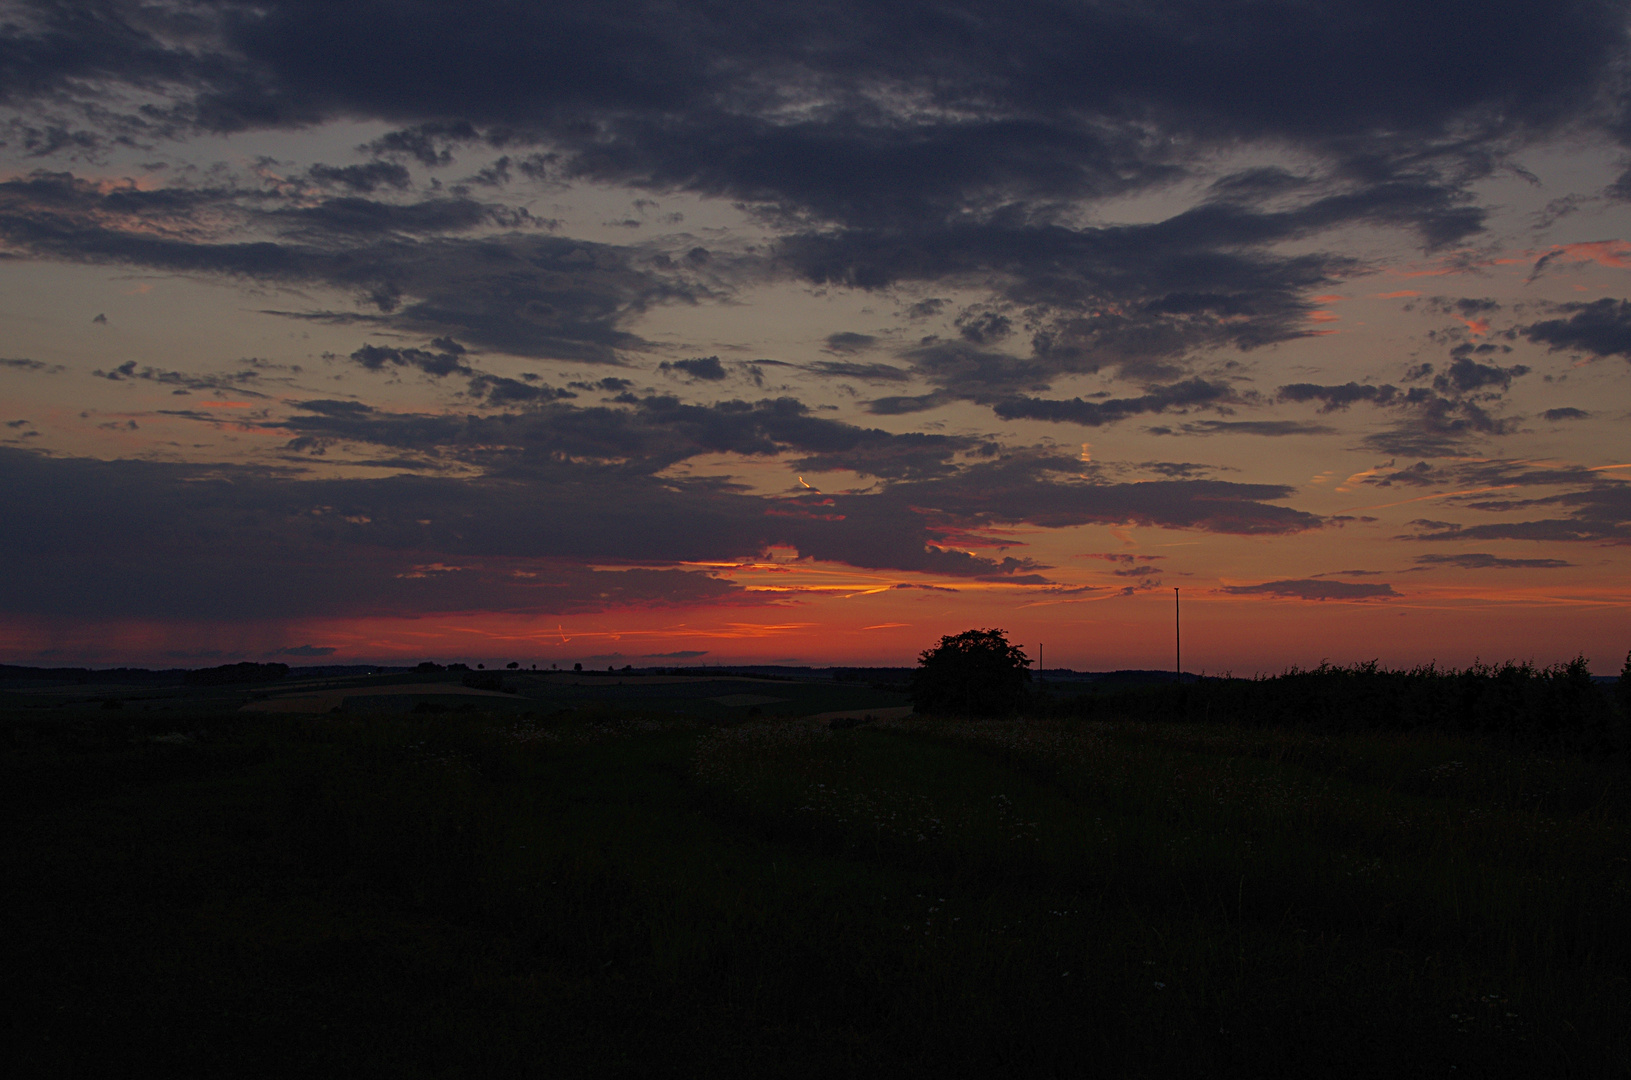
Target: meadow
pixel 608 892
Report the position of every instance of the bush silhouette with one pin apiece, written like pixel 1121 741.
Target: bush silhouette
pixel 977 673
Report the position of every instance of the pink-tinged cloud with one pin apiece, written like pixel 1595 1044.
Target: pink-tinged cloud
pixel 1610 253
pixel 1399 294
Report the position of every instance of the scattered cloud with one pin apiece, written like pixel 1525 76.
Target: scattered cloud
pixel 307 650
pixel 1599 327
pixel 1484 561
pixel 1314 589
pixel 706 368
pixel 1193 393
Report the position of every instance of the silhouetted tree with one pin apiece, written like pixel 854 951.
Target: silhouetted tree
pixel 977 673
pixel 1622 689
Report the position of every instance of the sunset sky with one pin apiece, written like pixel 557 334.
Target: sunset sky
pixel 807 333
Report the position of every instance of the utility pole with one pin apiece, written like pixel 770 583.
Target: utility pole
pixel 1039 663
pixel 1177 636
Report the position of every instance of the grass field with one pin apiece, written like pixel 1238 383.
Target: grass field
pixel 600 893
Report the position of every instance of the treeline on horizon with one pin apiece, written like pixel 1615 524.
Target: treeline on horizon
pixel 1561 705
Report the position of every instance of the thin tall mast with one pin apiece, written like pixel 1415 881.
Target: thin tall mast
pixel 1177 637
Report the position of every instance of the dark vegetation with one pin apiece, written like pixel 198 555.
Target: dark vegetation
pixel 485 680
pixel 1558 707
pixel 1112 885
pixel 975 673
pixel 228 674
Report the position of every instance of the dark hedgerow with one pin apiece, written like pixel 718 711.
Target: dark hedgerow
pixel 1558 706
pixel 975 673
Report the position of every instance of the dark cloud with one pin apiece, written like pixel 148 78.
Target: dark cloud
pixel 1315 73
pixel 903 405
pixel 1598 506
pixel 646 436
pixel 1011 492
pixel 19 364
pixel 515 292
pixel 501 392
pixel 156 539
pixel 447 359
pixel 1434 425
pixel 1340 397
pixel 1421 474
pixel 1192 393
pixel 984 327
pixel 307 650
pixel 1439 426
pixel 1138 572
pixel 963 150
pixel 1485 561
pixel 1177 469
pixel 1314 589
pixel 706 368
pixel 238 383
pixel 965 370
pixel 362 179
pixel 1465 375
pixel 850 342
pixel 1269 428
pixel 362 217
pixel 1600 327
pixel 912 148
pixel 1139 299
pixel 610 384
pixel 336 408
pixel 149 539
pixel 1565 413
pixel 875 373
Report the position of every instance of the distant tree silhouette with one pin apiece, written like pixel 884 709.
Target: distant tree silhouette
pixel 1622 689
pixel 977 673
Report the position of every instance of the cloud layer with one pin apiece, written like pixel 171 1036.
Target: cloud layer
pixel 589 289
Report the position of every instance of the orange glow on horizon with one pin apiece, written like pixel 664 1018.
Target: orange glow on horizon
pixel 1435 614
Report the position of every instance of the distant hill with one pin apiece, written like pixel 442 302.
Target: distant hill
pixel 15 675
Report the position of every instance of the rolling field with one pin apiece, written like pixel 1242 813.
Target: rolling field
pixel 603 891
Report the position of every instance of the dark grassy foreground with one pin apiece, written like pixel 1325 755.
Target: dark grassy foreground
pixel 608 895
